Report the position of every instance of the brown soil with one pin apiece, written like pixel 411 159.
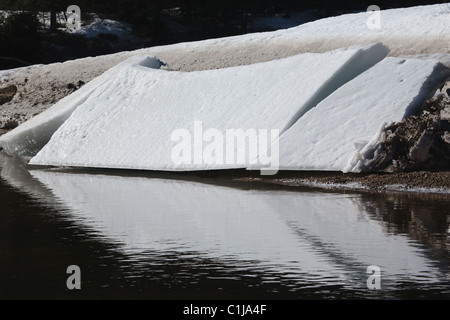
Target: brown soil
pixel 7 94
pixel 426 181
pixel 419 142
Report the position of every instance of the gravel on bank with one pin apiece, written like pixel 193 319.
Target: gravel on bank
pixel 418 182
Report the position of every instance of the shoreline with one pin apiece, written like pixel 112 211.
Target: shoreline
pixel 417 182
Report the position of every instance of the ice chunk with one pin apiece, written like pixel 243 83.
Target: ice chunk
pixel 336 135
pixel 128 121
pixel 29 138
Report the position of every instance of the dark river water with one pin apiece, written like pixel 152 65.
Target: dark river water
pixel 150 236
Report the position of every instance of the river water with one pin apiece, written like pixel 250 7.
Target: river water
pixel 157 236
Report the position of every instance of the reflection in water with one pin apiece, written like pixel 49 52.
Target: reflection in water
pixel 296 241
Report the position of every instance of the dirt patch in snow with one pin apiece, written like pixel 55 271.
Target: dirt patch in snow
pixel 7 93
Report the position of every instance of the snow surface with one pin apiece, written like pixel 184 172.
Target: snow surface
pixel 414 30
pixel 100 26
pixel 122 32
pixel 128 121
pixel 29 138
pixel 337 134
pixel 420 20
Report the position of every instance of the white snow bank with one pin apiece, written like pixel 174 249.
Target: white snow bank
pixel 414 30
pixel 128 121
pixel 430 20
pixel 29 138
pixel 99 26
pixel 337 135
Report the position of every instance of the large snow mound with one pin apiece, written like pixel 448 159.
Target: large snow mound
pixel 430 20
pixel 339 133
pixel 128 120
pixel 29 138
pixel 420 31
pixel 406 31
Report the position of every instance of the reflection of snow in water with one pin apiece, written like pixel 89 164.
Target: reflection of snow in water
pixel 165 215
pixel 294 234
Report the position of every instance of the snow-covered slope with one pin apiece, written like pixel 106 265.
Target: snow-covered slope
pixel 414 30
pixel 431 20
pixel 128 121
pixel 418 31
pixel 406 31
pixel 336 135
pixel 421 30
pixel 29 138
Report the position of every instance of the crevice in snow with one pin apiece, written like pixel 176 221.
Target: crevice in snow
pixel 332 135
pixel 427 91
pixel 362 61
